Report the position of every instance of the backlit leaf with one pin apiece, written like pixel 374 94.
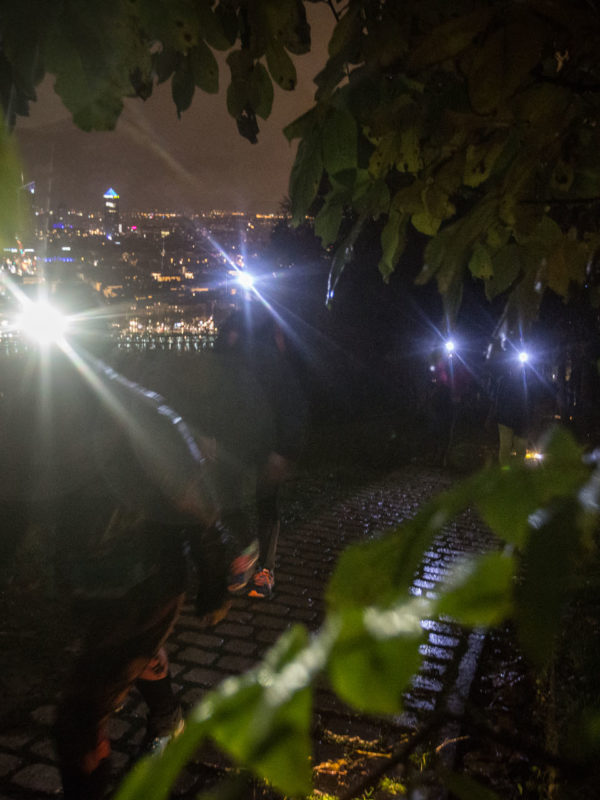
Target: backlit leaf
pixel 375 656
pixel 306 175
pixel 281 67
pixel 204 68
pixel 480 591
pixel 339 141
pixel 449 39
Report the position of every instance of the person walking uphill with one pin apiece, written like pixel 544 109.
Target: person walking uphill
pixel 258 420
pixel 124 486
pixel 512 414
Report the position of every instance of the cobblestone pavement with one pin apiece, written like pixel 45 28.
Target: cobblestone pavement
pixel 327 518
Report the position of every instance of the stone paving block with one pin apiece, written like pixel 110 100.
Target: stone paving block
pixel 209 641
pixel 42 778
pixel 46 748
pixel 429 684
pixel 268 636
pixel 276 609
pixel 239 616
pixel 419 703
pixel 205 677
pixel 197 656
pixel 175 667
pixel 8 763
pixel 306 614
pixel 438 626
pixel 236 664
pixel 441 640
pixel 45 715
pixel 276 623
pixel 296 600
pixel 15 741
pixel 190 621
pixel 231 629
pixel 438 653
pixel 192 697
pixel 240 647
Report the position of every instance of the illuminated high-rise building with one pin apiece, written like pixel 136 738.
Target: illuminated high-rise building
pixel 111 213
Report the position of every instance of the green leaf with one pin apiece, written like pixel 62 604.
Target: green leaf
pixel 507 498
pixel 346 32
pixel 339 141
pixel 506 265
pixel 425 223
pixel 550 559
pixel 449 39
pixel 329 218
pixel 399 148
pixel 13 219
pixel 376 654
pixel 286 23
pixel 393 241
pixel 479 592
pixel 301 127
pixel 372 198
pixel 381 571
pixel 305 176
pixel 182 89
pixel 261 91
pixel 238 93
pixel 93 51
pixel 219 28
pixel 204 68
pixel 566 264
pixel 480 264
pixel 503 63
pixel 281 67
pixel 481 159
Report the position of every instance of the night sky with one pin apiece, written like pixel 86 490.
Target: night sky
pixel 154 160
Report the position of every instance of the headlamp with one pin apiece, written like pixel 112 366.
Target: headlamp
pixel 245 280
pixel 42 323
pixel 450 346
pixel 523 356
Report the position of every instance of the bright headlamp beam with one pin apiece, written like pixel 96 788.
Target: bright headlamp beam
pixel 246 280
pixel 42 323
pixel 450 346
pixel 523 357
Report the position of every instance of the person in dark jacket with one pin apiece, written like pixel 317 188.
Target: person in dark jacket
pixel 512 414
pixel 258 423
pixel 118 476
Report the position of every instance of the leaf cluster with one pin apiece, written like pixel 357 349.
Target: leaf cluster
pixel 472 122
pixel 369 646
pixel 99 53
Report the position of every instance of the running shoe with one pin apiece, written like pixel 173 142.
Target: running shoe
pixel 262 584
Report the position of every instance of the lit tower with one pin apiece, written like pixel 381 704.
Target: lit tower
pixel 111 213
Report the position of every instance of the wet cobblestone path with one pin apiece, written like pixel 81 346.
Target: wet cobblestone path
pixel 320 519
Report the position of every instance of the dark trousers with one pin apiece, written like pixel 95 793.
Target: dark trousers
pixel 122 644
pixel 230 474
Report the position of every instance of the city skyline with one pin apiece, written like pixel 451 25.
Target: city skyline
pixel 155 160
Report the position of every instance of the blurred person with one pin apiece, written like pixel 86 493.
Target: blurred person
pixel 117 474
pixel 512 414
pixel 258 426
